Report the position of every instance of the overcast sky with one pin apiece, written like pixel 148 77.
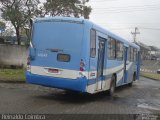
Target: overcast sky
pixel 122 16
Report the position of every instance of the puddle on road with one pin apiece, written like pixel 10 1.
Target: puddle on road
pixel 144 105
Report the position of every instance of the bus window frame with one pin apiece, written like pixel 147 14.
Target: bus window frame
pixel 93 42
pixel 110 49
pixel 119 58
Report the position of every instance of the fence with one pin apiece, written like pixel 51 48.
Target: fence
pixel 13 55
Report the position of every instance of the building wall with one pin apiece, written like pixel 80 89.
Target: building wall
pixel 13 55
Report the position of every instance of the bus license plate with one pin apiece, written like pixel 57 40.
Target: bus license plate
pixel 54 71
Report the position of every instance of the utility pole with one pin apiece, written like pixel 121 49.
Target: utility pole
pixel 135 34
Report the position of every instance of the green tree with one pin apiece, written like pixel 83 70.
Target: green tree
pixel 18 12
pixel 76 8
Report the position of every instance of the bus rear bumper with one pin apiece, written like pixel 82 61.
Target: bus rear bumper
pixel 61 83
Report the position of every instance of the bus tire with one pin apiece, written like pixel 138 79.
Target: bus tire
pixel 112 86
pixel 133 79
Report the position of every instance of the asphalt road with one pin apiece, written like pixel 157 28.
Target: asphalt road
pixel 142 97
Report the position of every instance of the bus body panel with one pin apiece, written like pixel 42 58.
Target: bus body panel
pixel 51 36
pixel 72 36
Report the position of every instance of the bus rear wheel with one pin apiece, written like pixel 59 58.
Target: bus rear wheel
pixel 112 86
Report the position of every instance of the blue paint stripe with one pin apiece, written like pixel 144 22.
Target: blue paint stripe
pixel 62 83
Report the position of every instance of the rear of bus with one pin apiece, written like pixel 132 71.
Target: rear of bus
pixel 55 57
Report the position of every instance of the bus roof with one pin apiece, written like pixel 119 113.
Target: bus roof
pixel 85 21
pixel 60 19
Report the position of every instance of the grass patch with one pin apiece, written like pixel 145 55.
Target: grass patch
pixel 12 75
pixel 151 75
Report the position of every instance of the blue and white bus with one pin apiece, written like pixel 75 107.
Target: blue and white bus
pixel 76 54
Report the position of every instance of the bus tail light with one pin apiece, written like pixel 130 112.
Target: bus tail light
pixel 82 65
pixel 81 69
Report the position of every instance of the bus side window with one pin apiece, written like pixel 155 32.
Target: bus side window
pixel 119 50
pixel 135 55
pixel 111 48
pixel 131 54
pixel 93 43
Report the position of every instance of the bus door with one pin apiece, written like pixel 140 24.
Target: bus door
pixel 100 62
pixel 125 64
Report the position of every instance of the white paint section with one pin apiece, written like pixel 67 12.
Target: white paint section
pixel 73 74
pixel 64 73
pixel 98 85
pixel 113 70
pixel 129 65
pixel 105 83
pixel 120 75
pixel 91 88
pixel 108 71
pixel 105 86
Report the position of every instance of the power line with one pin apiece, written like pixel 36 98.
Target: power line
pixel 110 23
pixel 129 10
pixel 103 0
pixel 158 29
pixel 124 7
pixel 108 1
pixel 150 28
pixel 122 28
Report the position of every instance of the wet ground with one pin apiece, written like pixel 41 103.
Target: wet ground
pixel 142 97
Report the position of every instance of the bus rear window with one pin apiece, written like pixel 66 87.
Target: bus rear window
pixel 63 57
